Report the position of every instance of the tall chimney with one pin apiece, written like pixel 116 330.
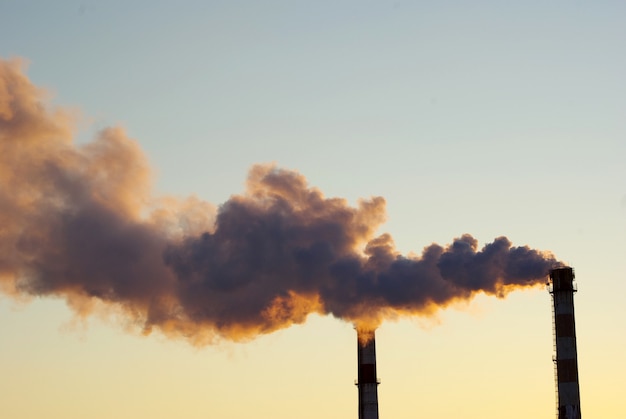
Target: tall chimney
pixel 562 288
pixel 367 381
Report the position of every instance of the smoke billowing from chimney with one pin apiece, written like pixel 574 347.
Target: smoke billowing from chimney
pixel 80 222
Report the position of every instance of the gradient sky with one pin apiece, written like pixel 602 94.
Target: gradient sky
pixel 479 118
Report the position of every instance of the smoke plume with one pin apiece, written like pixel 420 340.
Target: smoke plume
pixel 80 222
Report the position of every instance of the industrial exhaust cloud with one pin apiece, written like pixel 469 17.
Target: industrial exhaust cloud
pixel 80 222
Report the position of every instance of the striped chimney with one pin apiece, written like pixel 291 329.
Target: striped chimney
pixel 562 289
pixel 367 381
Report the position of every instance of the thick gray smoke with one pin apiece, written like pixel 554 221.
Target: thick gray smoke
pixel 81 223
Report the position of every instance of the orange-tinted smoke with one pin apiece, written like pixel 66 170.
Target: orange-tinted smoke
pixel 81 222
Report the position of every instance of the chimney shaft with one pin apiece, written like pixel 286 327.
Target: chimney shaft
pixel 367 381
pixel 566 361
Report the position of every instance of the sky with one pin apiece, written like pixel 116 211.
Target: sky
pixel 484 119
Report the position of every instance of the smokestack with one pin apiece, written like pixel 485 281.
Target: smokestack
pixel 562 288
pixel 367 381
